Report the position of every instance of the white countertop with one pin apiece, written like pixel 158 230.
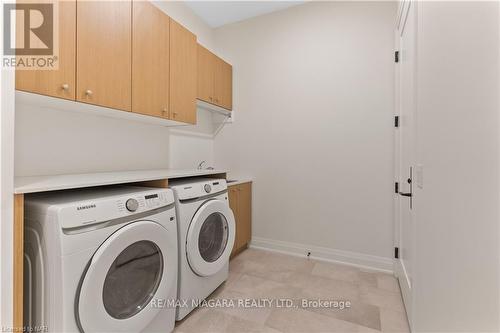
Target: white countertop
pixel 34 184
pixel 238 181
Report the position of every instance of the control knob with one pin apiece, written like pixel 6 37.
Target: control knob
pixel 132 205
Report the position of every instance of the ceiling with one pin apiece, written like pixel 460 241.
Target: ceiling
pixel 218 13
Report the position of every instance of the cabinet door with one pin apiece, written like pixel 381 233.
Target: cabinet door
pixel 223 84
pixel 244 214
pixel 150 60
pixel 104 52
pixel 233 204
pixel 183 73
pixel 61 82
pixel 206 74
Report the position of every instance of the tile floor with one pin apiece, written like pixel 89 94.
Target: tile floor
pixel 376 303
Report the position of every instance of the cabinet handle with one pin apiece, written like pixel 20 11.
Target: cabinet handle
pixel 211 98
pixel 216 100
pixel 175 114
pixel 88 92
pixel 65 87
pixel 164 110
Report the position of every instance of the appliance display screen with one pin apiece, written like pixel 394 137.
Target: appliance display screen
pixel 151 196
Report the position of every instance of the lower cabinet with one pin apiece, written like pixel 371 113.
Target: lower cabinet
pixel 240 201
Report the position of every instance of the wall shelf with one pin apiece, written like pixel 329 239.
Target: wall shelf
pixel 220 116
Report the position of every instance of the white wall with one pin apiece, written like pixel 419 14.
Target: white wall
pixel 6 188
pixel 54 142
pixel 457 281
pixel 313 94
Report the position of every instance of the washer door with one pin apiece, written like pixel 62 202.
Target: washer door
pixel 210 238
pixel 133 267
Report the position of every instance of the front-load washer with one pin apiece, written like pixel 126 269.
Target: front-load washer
pixel 206 236
pixel 101 260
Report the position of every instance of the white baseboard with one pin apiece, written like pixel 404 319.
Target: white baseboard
pixel 325 254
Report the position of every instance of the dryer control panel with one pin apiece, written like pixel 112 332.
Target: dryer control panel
pixel 199 188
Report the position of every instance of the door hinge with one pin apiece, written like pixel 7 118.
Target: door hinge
pixel 396 187
pixel 396 121
pixel 396 56
pixel 396 252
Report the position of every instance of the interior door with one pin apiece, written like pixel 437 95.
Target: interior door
pixel 406 153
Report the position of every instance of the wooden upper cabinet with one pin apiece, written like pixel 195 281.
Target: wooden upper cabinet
pixel 223 84
pixel 215 79
pixel 104 53
pixel 183 74
pixel 150 60
pixel 206 74
pixel 61 82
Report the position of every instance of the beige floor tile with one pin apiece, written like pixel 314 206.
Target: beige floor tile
pixel 388 282
pixel 254 274
pixel 382 298
pixel 367 278
pixel 336 271
pixel 215 321
pixel 393 321
pixel 358 313
pixel 302 321
pixel 255 314
pixel 257 287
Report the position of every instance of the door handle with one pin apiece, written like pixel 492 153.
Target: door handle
pixel 405 194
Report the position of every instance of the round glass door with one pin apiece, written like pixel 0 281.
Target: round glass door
pixel 210 238
pixel 128 271
pixel 132 279
pixel 213 237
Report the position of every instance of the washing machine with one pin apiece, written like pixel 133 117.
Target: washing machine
pixel 206 230
pixel 101 260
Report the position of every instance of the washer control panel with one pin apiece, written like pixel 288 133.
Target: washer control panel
pixel 94 206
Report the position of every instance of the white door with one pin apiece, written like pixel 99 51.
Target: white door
pixel 406 151
pixel 134 266
pixel 210 238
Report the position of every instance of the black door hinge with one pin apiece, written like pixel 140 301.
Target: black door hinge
pixel 396 252
pixel 396 56
pixel 396 187
pixel 396 121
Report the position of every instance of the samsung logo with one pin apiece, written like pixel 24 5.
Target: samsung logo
pixel 85 207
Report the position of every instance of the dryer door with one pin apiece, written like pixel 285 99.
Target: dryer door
pixel 210 238
pixel 132 269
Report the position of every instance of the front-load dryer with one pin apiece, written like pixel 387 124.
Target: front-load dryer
pixel 101 260
pixel 206 236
